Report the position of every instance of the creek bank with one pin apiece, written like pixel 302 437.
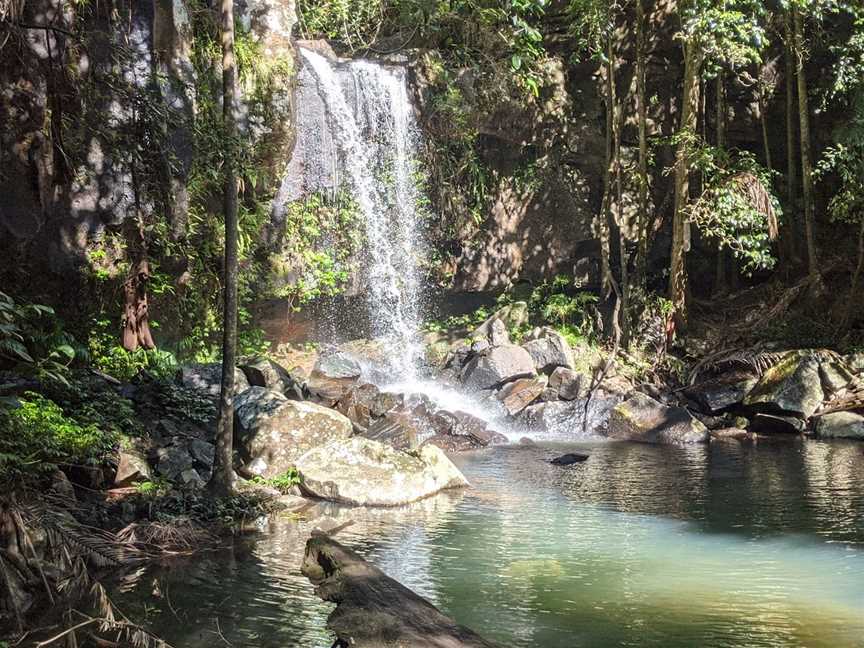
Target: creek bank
pixel 374 610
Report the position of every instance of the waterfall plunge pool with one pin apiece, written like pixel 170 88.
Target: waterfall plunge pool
pixel 713 546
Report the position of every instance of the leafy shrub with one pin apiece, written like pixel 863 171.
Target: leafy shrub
pixel 33 342
pixel 283 483
pixel 94 402
pixel 112 359
pixel 40 435
pixel 183 402
pixel 156 487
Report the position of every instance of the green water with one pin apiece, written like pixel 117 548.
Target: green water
pixel 640 546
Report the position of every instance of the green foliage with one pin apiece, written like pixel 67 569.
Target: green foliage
pixel 92 402
pixel 724 32
pixel 283 483
pixel 108 356
pixel 38 435
pixel 153 488
pixel 737 208
pixel 320 236
pixel 467 30
pixel 33 342
pixel 186 403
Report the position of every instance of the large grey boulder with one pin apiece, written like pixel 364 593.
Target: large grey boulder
pixel 498 366
pixel 549 351
pixel 207 377
pixel 368 473
pixel 517 395
pixel 274 431
pixel 792 386
pixel 263 372
pixel 643 419
pixel 508 317
pixel 333 377
pixel 568 385
pixel 723 392
pixel 841 425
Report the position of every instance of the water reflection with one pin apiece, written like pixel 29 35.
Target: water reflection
pixel 724 545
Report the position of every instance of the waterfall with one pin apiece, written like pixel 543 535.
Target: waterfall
pixel 364 135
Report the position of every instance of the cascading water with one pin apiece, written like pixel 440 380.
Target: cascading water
pixel 367 132
pixel 356 129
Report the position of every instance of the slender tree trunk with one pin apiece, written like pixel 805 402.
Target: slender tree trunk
pixel 856 278
pixel 606 208
pixel 791 148
pixel 720 284
pixel 643 225
pixel 223 480
pixel 763 119
pixel 680 224
pixel 623 294
pixel 806 156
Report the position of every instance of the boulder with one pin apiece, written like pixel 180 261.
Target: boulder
pixel 568 384
pixel 550 351
pixel 132 467
pixel 834 376
pixel 397 429
pixel 458 354
pixel 368 473
pixel 766 423
pixel 840 425
pixel 721 393
pixel 480 347
pixel 517 395
pixel 569 459
pixel 327 390
pixel 500 365
pixel 792 386
pixel 373 610
pixel 468 425
pixel 275 435
pixel 498 335
pixel 511 316
pixel 208 378
pixel 202 452
pixel 263 372
pixel 172 461
pixel 731 434
pixel 338 365
pixel 641 418
pixel 255 403
pixel 356 404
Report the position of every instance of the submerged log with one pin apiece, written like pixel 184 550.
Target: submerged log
pixel 372 609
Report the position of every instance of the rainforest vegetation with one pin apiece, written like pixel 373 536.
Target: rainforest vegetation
pixel 671 192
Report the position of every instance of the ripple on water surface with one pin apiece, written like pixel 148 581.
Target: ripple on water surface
pixel 639 546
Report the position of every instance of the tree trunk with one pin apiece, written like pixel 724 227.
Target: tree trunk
pixel 136 309
pixel 606 207
pixel 806 156
pixel 621 226
pixel 791 158
pixel 720 284
pixel 680 224
pixel 856 278
pixel 643 225
pixel 223 480
pixel 766 142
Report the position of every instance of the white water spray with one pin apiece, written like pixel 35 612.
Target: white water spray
pixel 370 118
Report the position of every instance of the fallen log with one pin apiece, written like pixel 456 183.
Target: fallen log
pixel 372 609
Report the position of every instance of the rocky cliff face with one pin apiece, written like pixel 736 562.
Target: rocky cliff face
pixel 98 111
